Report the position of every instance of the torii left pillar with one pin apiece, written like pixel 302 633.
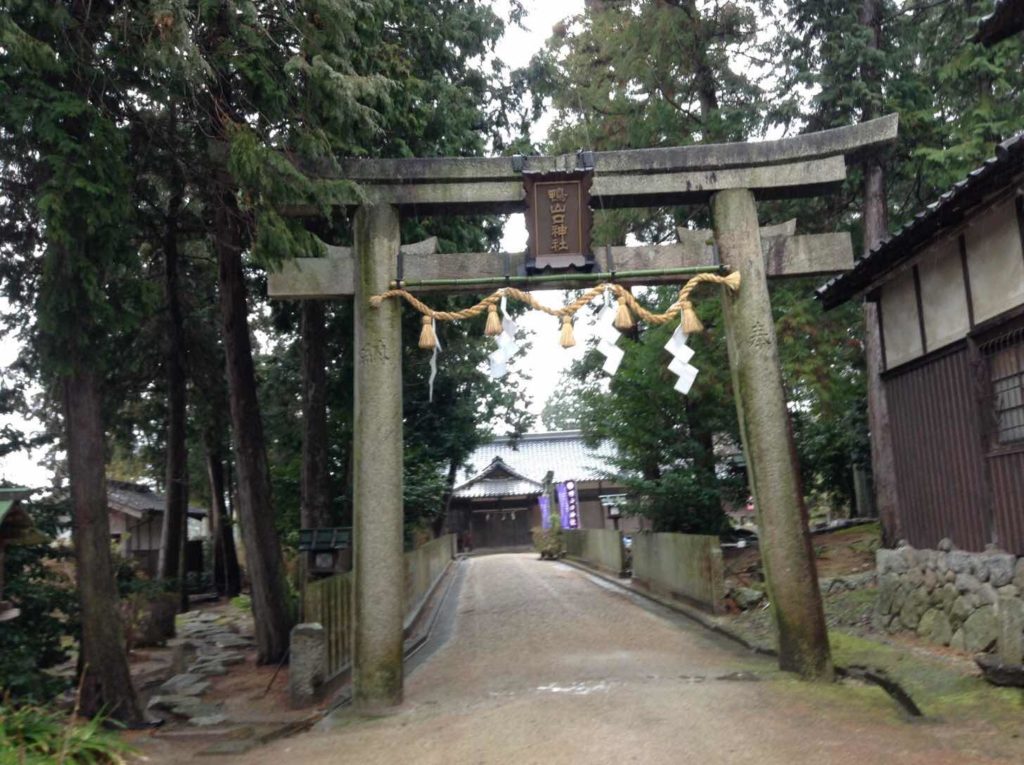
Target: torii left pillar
pixel 377 475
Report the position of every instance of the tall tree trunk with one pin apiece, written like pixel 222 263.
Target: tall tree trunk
pixel 174 532
pixel 876 228
pixel 226 574
pixel 315 504
pixel 107 684
pixel 271 609
pixel 446 499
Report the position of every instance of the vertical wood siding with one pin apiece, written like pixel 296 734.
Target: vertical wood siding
pixel 941 469
pixel 1008 495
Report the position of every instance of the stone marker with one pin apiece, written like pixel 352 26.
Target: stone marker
pixel 307 668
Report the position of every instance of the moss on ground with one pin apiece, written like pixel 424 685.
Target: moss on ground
pixel 941 687
pixel 944 687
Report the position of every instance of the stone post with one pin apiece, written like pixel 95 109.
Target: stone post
pixel 768 442
pixel 307 664
pixel 1010 644
pixel 377 472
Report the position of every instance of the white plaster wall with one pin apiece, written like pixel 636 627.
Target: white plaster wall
pixel 943 294
pixel 995 261
pixel 117 522
pixel 902 332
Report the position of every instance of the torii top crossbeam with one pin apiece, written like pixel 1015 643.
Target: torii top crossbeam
pixel 804 165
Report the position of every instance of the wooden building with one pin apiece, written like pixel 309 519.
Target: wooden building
pixel 136 525
pixel 496 501
pixel 950 293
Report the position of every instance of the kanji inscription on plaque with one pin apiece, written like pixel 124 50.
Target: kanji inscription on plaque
pixel 558 220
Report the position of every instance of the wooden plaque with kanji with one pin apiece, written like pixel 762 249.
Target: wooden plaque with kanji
pixel 558 220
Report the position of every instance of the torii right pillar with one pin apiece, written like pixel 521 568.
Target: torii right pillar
pixel 785 540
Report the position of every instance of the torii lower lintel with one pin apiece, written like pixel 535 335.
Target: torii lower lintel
pixel 785 256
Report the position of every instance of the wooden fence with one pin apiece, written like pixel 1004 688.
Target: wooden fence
pixel 331 601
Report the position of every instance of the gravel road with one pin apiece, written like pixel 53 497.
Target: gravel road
pixel 545 664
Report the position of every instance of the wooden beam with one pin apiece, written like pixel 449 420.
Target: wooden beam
pixel 785 256
pixel 844 141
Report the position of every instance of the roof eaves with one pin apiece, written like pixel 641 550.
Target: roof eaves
pixel 1006 19
pixel 496 462
pixel 948 210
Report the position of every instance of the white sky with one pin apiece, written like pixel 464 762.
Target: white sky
pixel 546 358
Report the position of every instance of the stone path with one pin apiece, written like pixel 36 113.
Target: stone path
pixel 214 641
pixel 546 664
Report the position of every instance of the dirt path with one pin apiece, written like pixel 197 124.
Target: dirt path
pixel 546 666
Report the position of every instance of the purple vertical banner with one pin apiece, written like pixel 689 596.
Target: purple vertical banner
pixel 573 503
pixel 545 510
pixel 563 503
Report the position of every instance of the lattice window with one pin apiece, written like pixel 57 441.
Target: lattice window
pixel 1005 356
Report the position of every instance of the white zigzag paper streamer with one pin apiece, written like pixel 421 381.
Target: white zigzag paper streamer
pixel 507 345
pixel 608 336
pixel 433 362
pixel 680 366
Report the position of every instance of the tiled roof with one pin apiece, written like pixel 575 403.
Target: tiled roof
pixel 137 499
pixel 528 461
pixel 948 210
pixel 9 497
pixel 499 488
pixel 497 480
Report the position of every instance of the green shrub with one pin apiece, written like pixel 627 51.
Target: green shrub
pixel 39 580
pixel 242 603
pixel 548 542
pixel 32 735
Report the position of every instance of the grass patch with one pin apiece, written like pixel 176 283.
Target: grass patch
pixel 242 603
pixel 34 735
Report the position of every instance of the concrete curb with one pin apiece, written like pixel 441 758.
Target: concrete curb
pixel 342 693
pixel 411 621
pixel 694 614
pixel 414 643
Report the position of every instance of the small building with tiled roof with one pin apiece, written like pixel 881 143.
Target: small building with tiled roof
pixel 136 524
pixel 949 287
pixel 498 495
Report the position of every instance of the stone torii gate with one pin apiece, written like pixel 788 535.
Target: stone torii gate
pixel 731 177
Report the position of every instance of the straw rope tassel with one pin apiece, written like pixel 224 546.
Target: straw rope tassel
pixel 427 337
pixel 568 339
pixel 690 321
pixel 493 321
pixel 623 318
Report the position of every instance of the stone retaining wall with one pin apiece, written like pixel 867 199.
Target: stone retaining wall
pixel 951 597
pixel 683 566
pixel 600 548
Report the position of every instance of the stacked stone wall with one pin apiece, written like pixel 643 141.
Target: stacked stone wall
pixel 951 597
